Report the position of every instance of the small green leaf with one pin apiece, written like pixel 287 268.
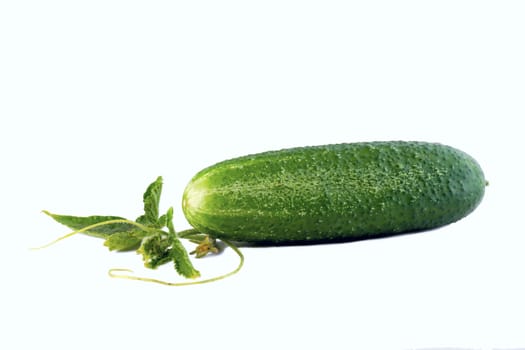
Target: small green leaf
pixel 179 254
pixel 169 221
pixel 103 231
pixel 151 200
pixel 162 221
pixel 124 241
pixel 182 260
pixel 155 250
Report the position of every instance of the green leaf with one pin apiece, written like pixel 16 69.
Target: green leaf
pixel 182 260
pixel 169 221
pixel 151 200
pixel 103 231
pixel 179 254
pixel 162 221
pixel 124 241
pixel 155 250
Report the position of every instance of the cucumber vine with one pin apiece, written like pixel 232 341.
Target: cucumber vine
pixel 151 235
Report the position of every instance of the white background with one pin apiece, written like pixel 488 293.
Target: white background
pixel 97 98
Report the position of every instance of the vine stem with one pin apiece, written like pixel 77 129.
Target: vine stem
pixel 115 273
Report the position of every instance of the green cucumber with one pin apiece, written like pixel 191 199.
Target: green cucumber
pixel 334 192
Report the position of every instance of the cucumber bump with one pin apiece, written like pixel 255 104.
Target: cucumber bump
pixel 334 192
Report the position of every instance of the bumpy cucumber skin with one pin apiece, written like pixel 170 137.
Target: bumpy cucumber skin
pixel 334 192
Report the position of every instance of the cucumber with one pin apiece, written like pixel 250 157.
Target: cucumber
pixel 334 192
